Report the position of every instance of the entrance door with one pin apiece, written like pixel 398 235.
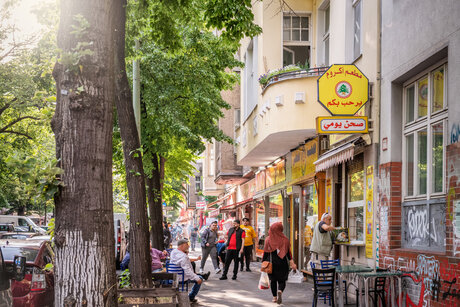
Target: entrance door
pixel 296 229
pixel 337 214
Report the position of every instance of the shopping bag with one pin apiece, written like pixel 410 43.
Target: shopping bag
pixel 295 277
pixel 264 282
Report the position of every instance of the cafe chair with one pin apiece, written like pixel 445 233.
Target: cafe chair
pixel 324 285
pixel 378 292
pixel 326 264
pixel 172 268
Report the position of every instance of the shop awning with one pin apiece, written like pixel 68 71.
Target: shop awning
pixel 335 156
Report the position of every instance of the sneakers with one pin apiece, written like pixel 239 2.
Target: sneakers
pixel 193 300
pixel 201 271
pixel 218 271
pixel 248 270
pixel 241 270
pixel 205 276
pixel 280 299
pixel 233 277
pixel 223 277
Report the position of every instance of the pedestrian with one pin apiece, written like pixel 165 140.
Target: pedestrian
pixel 221 250
pixel 235 248
pixel 321 244
pixel 277 250
pixel 180 258
pixel 166 235
pixel 193 237
pixel 249 243
pixel 209 239
pixel 157 256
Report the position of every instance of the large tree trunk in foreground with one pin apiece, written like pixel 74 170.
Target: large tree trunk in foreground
pixel 139 265
pixel 154 192
pixel 84 233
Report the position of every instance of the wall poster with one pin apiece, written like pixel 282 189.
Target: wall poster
pixel 369 209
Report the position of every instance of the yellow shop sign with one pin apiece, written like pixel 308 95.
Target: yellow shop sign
pixel 343 89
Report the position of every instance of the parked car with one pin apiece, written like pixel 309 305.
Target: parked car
pixel 17 272
pixel 6 227
pixel 22 221
pixel 37 286
pixel 18 235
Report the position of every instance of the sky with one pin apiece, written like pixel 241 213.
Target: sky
pixel 24 20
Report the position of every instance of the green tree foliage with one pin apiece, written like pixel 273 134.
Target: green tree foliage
pixel 27 99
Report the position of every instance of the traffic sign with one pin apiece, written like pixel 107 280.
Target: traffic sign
pixel 341 124
pixel 343 89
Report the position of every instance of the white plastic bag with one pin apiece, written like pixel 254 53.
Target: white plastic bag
pixel 295 277
pixel 264 281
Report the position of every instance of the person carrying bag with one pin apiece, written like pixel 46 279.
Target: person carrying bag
pixel 277 252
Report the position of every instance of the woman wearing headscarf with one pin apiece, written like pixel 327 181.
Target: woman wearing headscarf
pixel 277 250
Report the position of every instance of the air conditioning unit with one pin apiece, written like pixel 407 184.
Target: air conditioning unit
pixel 299 97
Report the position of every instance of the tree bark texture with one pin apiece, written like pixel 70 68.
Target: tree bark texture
pixel 139 265
pixel 154 194
pixel 84 234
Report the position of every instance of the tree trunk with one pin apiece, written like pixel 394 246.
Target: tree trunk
pixel 84 233
pixel 154 190
pixel 140 262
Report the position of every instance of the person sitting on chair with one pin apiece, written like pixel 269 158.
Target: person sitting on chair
pixel 180 258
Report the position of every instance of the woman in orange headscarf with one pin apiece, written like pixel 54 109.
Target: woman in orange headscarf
pixel 277 250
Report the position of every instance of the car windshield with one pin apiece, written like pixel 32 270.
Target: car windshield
pixel 10 251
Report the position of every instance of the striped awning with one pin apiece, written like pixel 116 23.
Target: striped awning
pixel 335 156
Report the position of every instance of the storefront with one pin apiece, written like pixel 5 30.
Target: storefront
pixel 349 197
pixel 305 204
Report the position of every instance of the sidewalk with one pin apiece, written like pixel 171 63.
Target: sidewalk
pixel 244 291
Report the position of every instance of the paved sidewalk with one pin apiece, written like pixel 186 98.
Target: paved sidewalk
pixel 244 291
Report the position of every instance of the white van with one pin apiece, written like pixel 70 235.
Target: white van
pixel 21 221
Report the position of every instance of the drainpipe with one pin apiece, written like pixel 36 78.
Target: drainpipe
pixel 377 136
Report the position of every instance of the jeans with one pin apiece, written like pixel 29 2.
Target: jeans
pixel 209 250
pixel 196 287
pixel 247 253
pixel 193 242
pixel 232 254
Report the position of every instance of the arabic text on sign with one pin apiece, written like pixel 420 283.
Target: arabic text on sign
pixel 335 125
pixel 338 103
pixel 341 71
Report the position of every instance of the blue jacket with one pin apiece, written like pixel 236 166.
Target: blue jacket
pixel 125 263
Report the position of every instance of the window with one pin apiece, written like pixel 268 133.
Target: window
pixel 357 23
pixel 425 121
pixel 355 198
pixel 197 184
pixel 296 39
pixel 327 14
pixel 424 142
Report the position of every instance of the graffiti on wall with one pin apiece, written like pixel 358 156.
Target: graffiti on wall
pixel 455 133
pixel 426 280
pixel 424 226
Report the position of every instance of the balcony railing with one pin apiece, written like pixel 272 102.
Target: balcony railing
pixel 303 73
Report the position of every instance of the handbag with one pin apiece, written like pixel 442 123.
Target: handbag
pixel 267 266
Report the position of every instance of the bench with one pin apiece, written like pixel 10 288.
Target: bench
pixel 163 294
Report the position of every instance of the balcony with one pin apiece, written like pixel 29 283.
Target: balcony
pixel 284 117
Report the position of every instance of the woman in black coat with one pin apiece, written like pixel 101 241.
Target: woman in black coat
pixel 277 250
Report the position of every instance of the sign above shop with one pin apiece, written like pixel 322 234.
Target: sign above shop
pixel 201 205
pixel 343 89
pixel 341 124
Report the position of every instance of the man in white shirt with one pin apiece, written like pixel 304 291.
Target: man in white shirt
pixel 179 257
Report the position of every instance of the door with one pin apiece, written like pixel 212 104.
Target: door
pixel 295 225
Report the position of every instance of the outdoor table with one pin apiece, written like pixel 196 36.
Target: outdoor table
pixel 348 269
pixel 367 275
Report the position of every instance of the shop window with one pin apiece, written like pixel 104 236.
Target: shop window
pixel 296 39
pixel 355 199
pixel 276 208
pixel 424 157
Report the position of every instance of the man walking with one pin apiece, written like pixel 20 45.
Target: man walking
pixel 249 243
pixel 209 239
pixel 235 247
pixel 179 257
pixel 193 237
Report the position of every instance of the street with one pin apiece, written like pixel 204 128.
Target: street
pixel 244 291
